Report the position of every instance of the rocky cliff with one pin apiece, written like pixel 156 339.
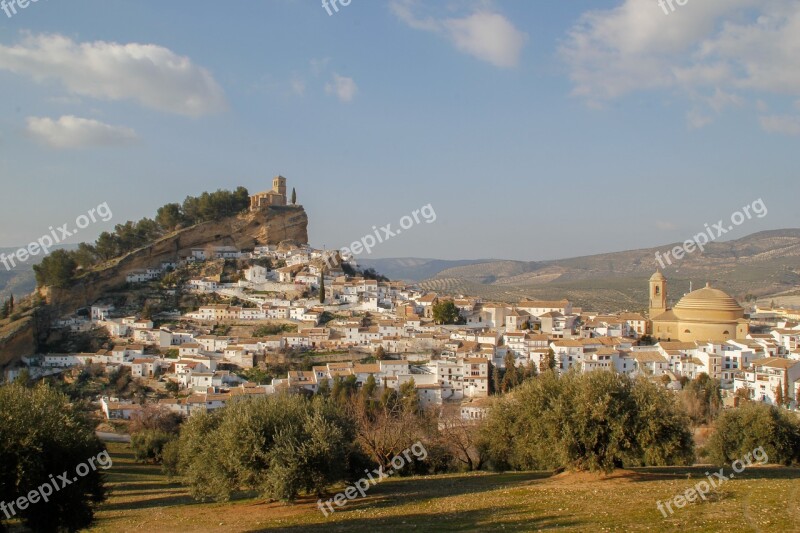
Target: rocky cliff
pixel 17 339
pixel 272 225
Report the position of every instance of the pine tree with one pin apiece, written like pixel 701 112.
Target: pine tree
pixel 322 287
pixel 294 196
pixel 530 370
pixel 495 380
pixel 787 397
pixel 511 378
pixel 11 304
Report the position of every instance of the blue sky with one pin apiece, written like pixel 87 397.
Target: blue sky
pixel 535 129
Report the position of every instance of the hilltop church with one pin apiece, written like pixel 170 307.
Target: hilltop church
pixel 702 315
pixel 273 197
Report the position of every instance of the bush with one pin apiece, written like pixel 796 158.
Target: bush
pixel 41 436
pixel 278 446
pixel 148 445
pixel 738 432
pixel 596 422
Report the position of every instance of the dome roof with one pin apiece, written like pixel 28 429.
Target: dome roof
pixel 658 276
pixel 708 304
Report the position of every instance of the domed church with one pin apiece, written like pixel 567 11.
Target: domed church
pixel 707 314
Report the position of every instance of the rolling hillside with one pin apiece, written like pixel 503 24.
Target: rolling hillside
pixel 413 268
pixel 764 265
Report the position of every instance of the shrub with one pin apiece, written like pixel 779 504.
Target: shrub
pixel 41 436
pixel 738 432
pixel 278 446
pixel 595 422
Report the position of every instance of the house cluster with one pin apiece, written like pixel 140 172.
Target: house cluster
pixel 150 273
pixel 444 380
pixel 448 363
pixel 436 382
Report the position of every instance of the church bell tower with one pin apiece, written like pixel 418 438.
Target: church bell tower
pixel 658 294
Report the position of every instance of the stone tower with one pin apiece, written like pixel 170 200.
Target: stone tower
pixel 658 294
pixel 279 185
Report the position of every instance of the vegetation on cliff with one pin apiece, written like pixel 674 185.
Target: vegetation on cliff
pixel 60 268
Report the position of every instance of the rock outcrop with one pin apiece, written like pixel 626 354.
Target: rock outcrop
pixel 17 339
pixel 271 225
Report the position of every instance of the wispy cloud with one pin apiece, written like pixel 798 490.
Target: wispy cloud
pixel 343 87
pixel 75 132
pixel 483 34
pixel 149 74
pixel 710 51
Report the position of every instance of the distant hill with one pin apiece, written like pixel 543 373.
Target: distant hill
pixel 413 268
pixel 764 265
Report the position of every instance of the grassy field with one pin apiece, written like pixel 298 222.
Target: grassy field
pixel 762 499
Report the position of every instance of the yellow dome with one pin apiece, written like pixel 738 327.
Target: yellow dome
pixel 708 304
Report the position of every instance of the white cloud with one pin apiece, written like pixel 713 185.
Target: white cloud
pixel 75 132
pixel 343 87
pixel 485 35
pixel 149 74
pixel 783 124
pixel 707 50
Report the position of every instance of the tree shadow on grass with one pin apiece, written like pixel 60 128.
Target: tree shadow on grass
pixel 507 519
pixel 423 488
pixel 699 472
pixel 139 503
pixel 143 487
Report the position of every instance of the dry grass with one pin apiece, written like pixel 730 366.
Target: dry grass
pixel 763 499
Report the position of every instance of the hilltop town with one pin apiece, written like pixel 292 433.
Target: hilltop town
pixel 313 314
pixel 400 266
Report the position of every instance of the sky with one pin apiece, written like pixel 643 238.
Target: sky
pixel 532 129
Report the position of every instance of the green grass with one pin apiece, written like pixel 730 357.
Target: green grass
pixel 764 499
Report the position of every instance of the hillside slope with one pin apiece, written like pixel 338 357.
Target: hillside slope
pixel 245 231
pixel 761 265
pixel 271 226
